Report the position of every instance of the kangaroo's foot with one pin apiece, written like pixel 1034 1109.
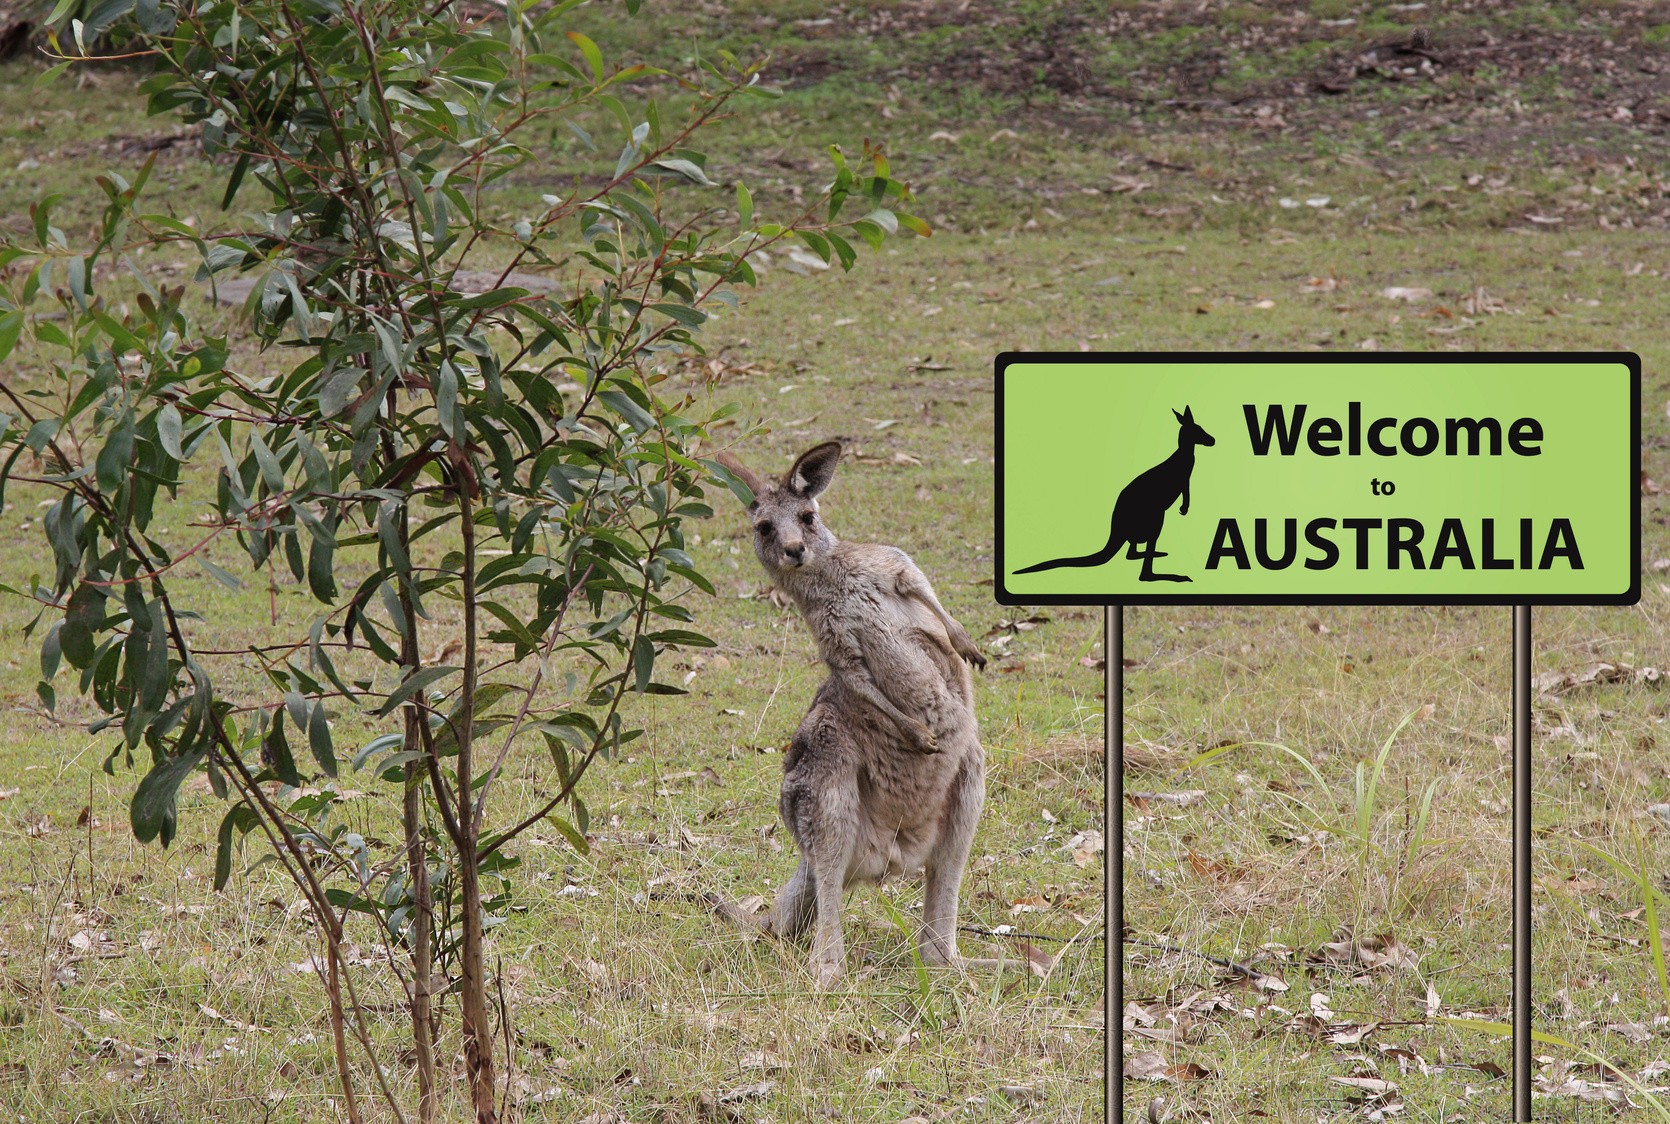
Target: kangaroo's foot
pixel 826 972
pixel 934 957
pixel 991 964
pixel 746 920
pixel 1153 577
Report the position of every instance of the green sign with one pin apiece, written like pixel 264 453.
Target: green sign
pixel 1314 478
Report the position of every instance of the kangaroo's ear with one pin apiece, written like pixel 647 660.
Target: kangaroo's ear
pixel 743 473
pixel 1182 416
pixel 1188 414
pixel 814 469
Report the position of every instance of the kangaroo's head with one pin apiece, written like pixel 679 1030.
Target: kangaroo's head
pixel 1189 431
pixel 788 535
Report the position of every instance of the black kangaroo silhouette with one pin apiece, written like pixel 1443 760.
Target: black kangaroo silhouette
pixel 1140 510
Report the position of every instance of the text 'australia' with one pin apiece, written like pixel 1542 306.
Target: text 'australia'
pixel 1366 543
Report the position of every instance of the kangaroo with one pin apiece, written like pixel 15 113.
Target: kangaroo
pixel 886 774
pixel 1140 510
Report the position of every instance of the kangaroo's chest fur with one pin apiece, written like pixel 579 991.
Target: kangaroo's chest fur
pixel 863 622
pixel 864 625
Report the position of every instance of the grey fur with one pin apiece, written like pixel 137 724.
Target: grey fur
pixel 886 775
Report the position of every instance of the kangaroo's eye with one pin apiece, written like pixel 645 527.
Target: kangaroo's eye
pixel 764 530
pixel 810 519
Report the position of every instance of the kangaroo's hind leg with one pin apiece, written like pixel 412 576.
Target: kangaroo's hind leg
pixel 820 805
pixel 791 912
pixel 946 862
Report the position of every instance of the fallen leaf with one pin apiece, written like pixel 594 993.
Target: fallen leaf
pixel 1558 682
pixel 1038 962
pixel 1176 799
pixel 1085 846
pixel 1405 293
pixel 1151 1065
pixel 761 1059
pixel 1370 953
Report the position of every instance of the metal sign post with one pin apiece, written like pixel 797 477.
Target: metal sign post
pixel 1319 479
pixel 1521 864
pixel 1113 770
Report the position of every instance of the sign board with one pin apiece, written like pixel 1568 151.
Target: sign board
pixel 1150 478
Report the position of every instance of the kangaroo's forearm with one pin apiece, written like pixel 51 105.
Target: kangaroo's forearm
pixel 865 686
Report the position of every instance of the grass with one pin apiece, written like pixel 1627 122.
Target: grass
pixel 1052 232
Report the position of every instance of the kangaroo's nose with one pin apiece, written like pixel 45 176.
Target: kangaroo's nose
pixel 794 550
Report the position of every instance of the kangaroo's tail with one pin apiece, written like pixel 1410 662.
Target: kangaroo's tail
pixel 1115 541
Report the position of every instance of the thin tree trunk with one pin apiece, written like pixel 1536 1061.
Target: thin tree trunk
pixel 472 998
pixel 477 1027
pixel 417 860
pixel 333 986
pixel 423 953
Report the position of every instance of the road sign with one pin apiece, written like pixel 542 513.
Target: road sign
pixel 1317 479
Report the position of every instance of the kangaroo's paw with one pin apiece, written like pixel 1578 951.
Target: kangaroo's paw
pixel 966 649
pixel 925 739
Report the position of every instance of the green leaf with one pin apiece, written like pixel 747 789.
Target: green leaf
pixel 321 578
pixel 234 181
pixel 275 752
pixel 319 740
pixel 413 684
pixel 347 899
pixel 568 832
pixel 153 811
pixel 843 250
pixel 83 617
pixel 498 298
pixel 446 401
pixel 744 206
pixel 240 818
pixel 221 575
pixel 375 746
pixel 168 431
pixel 52 73
pixel 885 219
pixel 623 405
pixel 115 463
pixel 271 474
pixel 643 661
pixel 914 224
pixel 683 313
pixel 594 57
pixel 819 245
pixel 688 169
pixel 11 325
pixel 682 636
